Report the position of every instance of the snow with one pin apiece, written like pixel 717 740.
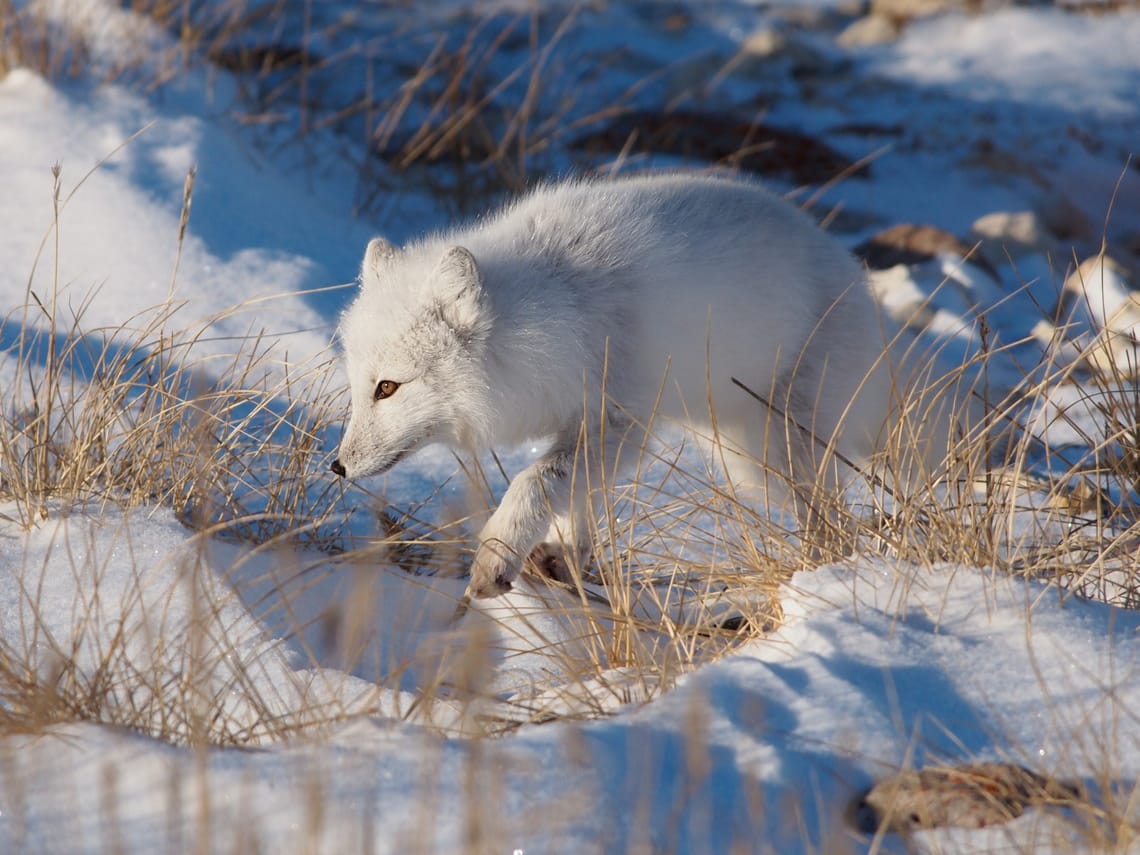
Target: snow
pixel 123 166
pixel 875 667
pixel 271 697
pixel 977 57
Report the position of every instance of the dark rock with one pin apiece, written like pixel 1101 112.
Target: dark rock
pixel 969 796
pixel 262 58
pixel 907 243
pixel 725 141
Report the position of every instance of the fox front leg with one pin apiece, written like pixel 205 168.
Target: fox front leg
pixel 518 525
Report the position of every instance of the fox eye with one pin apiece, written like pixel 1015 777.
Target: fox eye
pixel 385 389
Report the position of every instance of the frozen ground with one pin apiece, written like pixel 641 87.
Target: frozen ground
pixel 877 665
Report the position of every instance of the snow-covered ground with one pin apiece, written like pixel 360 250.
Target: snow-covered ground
pixel 877 665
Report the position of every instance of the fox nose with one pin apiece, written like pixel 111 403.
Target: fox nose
pixel 337 467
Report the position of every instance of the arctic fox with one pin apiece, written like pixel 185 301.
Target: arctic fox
pixel 585 310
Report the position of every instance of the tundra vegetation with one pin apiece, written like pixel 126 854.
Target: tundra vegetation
pixel 234 442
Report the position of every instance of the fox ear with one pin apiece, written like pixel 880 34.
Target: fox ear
pixel 459 265
pixel 379 251
pixel 462 302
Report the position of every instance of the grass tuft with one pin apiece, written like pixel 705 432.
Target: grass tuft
pixel 135 417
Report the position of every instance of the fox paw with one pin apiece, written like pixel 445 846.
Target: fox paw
pixel 491 573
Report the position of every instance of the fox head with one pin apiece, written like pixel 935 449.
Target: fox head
pixel 414 341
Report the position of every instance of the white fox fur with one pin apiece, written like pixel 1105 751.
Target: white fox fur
pixel 658 290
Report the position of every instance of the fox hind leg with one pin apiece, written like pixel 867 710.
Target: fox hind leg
pixel 566 549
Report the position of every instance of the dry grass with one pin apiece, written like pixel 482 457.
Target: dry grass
pixel 469 119
pixel 132 417
pixel 464 120
pixel 96 420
